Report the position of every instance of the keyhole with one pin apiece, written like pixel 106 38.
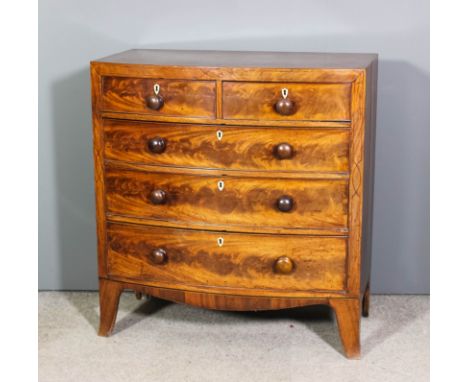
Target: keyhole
pixel 219 135
pixel 220 185
pixel 220 241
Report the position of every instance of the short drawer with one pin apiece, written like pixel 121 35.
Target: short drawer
pixel 228 201
pixel 220 259
pixel 287 101
pixel 180 98
pixel 239 148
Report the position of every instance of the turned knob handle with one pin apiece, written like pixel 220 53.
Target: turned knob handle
pixel 159 256
pixel 283 265
pixel 158 197
pixel 157 145
pixel 285 106
pixel 285 203
pixel 155 101
pixel 283 151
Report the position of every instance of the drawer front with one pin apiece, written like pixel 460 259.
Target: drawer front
pixel 275 149
pixel 312 101
pixel 180 98
pixel 232 201
pixel 220 259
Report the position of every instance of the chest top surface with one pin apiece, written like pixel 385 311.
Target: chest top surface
pixel 214 58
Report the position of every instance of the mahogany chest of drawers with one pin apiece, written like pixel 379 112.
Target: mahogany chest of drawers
pixel 235 180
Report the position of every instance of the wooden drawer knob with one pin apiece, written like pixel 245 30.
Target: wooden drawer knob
pixel 155 101
pixel 158 197
pixel 283 151
pixel 283 265
pixel 157 145
pixel 285 106
pixel 285 203
pixel 159 256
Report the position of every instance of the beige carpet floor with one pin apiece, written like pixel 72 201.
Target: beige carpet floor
pixel 158 341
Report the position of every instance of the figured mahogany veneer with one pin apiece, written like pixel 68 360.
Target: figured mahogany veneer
pixel 242 201
pixel 181 98
pixel 322 102
pixel 195 258
pixel 229 147
pixel 236 180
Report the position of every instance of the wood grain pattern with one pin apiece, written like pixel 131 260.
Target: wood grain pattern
pixel 224 301
pixel 226 227
pixel 221 172
pixel 357 180
pixel 242 261
pixel 99 187
pixel 239 148
pixel 181 98
pixel 329 177
pixel 304 74
pixel 236 291
pixel 323 102
pixel 347 310
pixel 242 202
pixel 109 296
pixel 252 61
pixel 348 317
pixel 219 121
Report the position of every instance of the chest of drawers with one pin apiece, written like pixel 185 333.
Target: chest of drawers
pixel 235 180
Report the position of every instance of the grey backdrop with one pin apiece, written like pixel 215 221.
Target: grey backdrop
pixel 71 33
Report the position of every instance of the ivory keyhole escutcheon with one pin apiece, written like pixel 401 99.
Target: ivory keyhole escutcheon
pixel 219 135
pixel 220 185
pixel 220 241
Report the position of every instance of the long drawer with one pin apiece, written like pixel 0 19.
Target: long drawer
pixel 228 201
pixel 220 259
pixel 237 148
